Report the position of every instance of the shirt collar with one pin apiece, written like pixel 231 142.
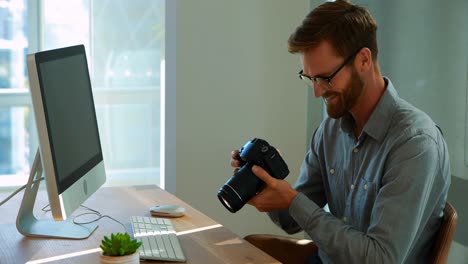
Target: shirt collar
pixel 379 121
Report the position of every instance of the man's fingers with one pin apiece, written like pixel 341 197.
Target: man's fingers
pixel 235 163
pixel 254 199
pixel 263 175
pixel 235 154
pixel 235 159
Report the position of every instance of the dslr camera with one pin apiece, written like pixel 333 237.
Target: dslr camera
pixel 244 185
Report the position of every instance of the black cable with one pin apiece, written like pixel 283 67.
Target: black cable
pixel 18 190
pixel 99 215
pixel 93 212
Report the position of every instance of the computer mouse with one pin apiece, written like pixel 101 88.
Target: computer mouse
pixel 167 210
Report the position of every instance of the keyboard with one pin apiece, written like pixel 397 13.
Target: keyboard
pixel 158 238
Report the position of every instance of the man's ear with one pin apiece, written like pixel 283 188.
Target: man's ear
pixel 363 61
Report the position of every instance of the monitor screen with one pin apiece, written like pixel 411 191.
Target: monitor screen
pixel 70 117
pixel 70 155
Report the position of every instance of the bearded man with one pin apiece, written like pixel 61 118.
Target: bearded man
pixel 380 164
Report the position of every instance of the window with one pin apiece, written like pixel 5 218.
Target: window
pixel 125 45
pixel 15 116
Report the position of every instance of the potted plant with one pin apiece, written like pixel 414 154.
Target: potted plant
pixel 120 248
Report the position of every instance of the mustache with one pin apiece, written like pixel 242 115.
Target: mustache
pixel 330 93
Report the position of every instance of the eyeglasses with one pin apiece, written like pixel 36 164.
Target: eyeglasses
pixel 322 80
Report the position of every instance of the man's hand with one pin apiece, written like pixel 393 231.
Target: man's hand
pixel 278 194
pixel 235 160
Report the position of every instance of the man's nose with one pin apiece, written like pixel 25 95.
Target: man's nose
pixel 319 90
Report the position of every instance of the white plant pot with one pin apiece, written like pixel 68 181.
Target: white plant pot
pixel 128 259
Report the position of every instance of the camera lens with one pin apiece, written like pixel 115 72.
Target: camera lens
pixel 230 199
pixel 239 189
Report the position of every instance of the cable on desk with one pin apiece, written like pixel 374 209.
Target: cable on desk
pixel 19 190
pixel 93 212
pixel 99 215
pixel 43 209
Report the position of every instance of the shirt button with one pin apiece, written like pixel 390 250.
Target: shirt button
pixel 345 219
pixel 332 171
pixel 352 186
pixel 365 186
pixel 356 150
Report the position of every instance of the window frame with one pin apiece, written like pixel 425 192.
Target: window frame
pixel 20 97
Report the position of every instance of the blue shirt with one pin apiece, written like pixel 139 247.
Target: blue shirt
pixel 386 190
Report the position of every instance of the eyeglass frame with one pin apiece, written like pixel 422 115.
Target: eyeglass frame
pixel 328 79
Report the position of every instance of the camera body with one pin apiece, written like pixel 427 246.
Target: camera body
pixel 244 185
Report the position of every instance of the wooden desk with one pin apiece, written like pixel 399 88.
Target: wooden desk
pixel 203 240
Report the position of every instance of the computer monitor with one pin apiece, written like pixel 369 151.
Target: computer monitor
pixel 69 154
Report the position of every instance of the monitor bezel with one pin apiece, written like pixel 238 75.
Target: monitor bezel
pixel 64 197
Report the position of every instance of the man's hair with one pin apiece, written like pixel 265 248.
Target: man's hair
pixel 347 27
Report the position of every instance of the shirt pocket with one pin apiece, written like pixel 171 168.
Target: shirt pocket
pixel 366 193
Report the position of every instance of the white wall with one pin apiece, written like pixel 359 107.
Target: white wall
pixel 235 80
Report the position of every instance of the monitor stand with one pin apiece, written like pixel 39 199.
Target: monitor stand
pixel 28 225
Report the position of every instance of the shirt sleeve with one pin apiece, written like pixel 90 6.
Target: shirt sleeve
pixel 309 183
pixel 412 178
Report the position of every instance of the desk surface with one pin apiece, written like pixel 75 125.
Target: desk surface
pixel 203 239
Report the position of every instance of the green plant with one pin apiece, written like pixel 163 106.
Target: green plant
pixel 119 245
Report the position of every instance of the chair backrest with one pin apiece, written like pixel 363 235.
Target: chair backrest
pixel 445 235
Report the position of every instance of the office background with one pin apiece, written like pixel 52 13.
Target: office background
pixel 229 78
pixel 235 80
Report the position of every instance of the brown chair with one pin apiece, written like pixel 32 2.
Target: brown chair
pixel 444 238
pixel 284 249
pixel 292 250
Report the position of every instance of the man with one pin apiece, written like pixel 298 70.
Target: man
pixel 380 164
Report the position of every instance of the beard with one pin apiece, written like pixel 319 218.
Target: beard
pixel 345 99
